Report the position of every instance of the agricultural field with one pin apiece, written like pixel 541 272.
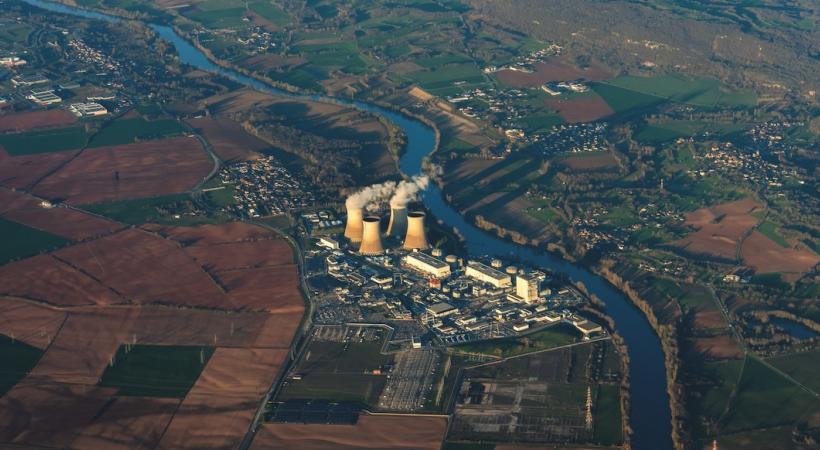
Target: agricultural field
pixel 155 371
pixel 20 241
pixel 44 141
pixel 37 119
pixel 120 172
pixel 124 376
pixel 129 131
pixel 18 359
pixel 656 133
pixel 802 366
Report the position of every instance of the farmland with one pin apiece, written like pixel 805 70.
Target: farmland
pixel 20 241
pixel 155 371
pixel 144 169
pixel 36 119
pixel 44 141
pixel 128 131
pixel 18 359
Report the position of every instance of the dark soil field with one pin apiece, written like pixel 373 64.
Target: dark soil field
pixel 218 411
pixel 127 423
pixel 28 322
pixel 554 70
pixel 370 432
pixel 719 229
pixel 66 222
pixel 146 169
pixel 766 256
pixel 145 269
pixel 23 171
pixel 47 279
pixel 37 119
pixel 584 109
pixel 230 141
pixel 589 162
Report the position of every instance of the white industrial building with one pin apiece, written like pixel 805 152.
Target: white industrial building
pixel 427 264
pixel 89 109
pixel 487 274
pixel 441 309
pixel 44 98
pixel 528 286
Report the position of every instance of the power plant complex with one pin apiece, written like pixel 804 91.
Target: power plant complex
pixel 366 231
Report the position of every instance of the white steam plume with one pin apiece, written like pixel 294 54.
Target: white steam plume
pixel 371 196
pixel 408 191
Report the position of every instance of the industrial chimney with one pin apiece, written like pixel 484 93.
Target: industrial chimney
pixel 371 237
pixel 416 237
pixel 353 229
pixel 398 221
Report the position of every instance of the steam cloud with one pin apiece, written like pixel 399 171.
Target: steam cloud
pixel 399 194
pixel 408 191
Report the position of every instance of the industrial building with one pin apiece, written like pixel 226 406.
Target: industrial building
pixel 427 264
pixel 441 310
pixel 89 109
pixel 487 274
pixel 44 98
pixel 528 286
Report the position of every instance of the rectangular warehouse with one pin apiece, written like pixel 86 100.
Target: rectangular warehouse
pixel 487 274
pixel 427 264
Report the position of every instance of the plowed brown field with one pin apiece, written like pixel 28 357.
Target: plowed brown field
pixel 49 280
pixel 766 256
pixel 65 222
pixel 127 423
pixel 388 432
pixel 36 119
pixel 553 70
pixel 28 322
pixel 229 140
pixel 24 170
pixel 146 169
pixel 584 109
pixel 234 380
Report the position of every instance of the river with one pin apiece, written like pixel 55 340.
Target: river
pixel 650 416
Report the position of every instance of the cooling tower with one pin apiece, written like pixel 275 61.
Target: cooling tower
pixel 371 237
pixel 398 222
pixel 353 229
pixel 416 237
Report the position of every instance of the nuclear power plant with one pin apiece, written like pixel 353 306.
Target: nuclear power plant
pixel 416 238
pixel 353 228
pixel 398 222
pixel 371 237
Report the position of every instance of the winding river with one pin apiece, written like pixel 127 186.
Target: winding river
pixel 650 416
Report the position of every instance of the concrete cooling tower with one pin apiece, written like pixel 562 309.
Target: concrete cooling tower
pixel 353 228
pixel 398 222
pixel 416 236
pixel 371 237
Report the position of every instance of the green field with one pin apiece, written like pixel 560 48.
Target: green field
pixel 607 422
pixel 540 122
pixel 554 336
pixel 156 370
pixel 337 371
pixel 20 241
pixel 216 18
pixel 766 399
pixel 701 92
pixel 624 100
pixel 139 211
pixel 446 77
pixel 769 230
pixel 18 359
pixel 45 141
pixel 128 131
pixel 803 367
pixel 15 33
